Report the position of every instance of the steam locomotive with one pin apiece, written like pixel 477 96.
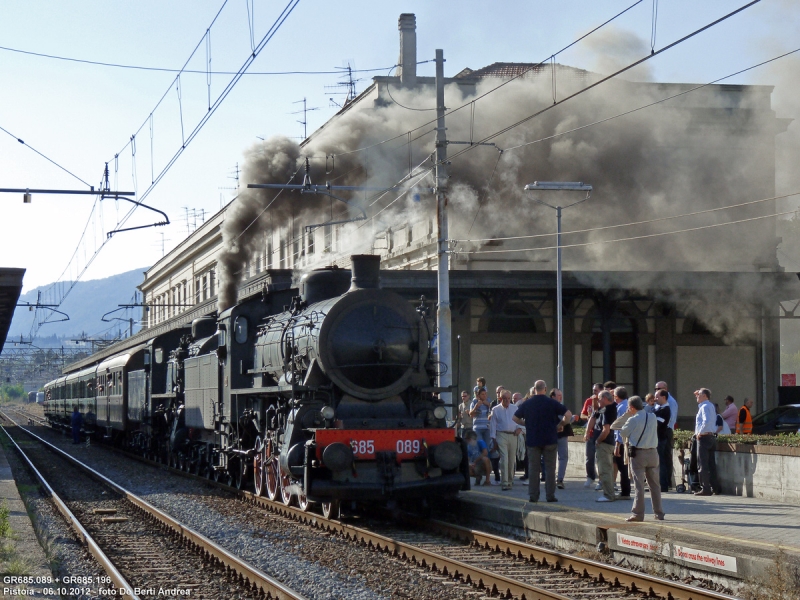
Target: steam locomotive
pixel 319 397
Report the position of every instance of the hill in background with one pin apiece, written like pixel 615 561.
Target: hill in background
pixel 85 305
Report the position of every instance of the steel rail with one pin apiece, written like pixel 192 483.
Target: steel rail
pixel 123 587
pixel 633 580
pixel 611 574
pixel 252 576
pixel 479 577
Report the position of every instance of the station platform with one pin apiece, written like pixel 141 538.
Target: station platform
pixel 722 538
pixel 20 552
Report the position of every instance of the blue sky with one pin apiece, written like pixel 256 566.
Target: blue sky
pixel 82 115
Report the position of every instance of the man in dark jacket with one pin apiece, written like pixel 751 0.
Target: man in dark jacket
pixel 542 416
pixel 663 414
pixel 77 423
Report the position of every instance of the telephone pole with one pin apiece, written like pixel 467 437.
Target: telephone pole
pixel 443 315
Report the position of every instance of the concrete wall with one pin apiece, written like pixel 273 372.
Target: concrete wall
pixel 514 366
pixel 769 473
pixel 722 369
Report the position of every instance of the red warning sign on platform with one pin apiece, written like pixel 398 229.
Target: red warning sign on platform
pixel 788 379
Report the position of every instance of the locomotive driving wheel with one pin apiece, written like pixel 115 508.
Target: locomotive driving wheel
pixel 273 478
pixel 331 510
pixel 286 494
pixel 241 473
pixel 303 502
pixel 259 467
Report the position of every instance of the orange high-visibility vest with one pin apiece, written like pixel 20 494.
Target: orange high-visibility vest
pixel 747 426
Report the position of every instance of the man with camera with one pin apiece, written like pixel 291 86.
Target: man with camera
pixel 641 435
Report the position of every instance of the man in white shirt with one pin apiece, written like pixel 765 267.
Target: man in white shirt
pixel 705 429
pixel 504 432
pixel 640 432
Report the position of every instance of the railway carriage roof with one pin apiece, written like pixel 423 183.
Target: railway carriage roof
pixel 120 360
pixel 90 371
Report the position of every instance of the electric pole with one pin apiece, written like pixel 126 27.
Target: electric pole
pixel 443 315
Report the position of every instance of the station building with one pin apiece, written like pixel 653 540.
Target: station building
pixel 698 308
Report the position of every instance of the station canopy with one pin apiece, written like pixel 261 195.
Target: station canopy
pixel 10 289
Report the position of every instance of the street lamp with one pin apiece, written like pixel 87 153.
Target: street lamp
pixel 573 186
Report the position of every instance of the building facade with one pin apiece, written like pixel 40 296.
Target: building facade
pixel 695 304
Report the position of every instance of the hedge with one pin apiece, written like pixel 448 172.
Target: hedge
pixel 683 436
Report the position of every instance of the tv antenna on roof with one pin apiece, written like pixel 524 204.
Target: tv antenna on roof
pixel 349 85
pixel 305 112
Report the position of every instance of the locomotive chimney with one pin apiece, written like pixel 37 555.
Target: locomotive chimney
pixel 407 71
pixel 366 271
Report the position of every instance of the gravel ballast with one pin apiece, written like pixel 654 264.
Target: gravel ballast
pixel 320 566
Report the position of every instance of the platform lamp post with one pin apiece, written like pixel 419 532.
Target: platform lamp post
pixel 572 186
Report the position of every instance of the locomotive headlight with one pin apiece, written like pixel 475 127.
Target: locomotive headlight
pixel 327 412
pixel 447 455
pixel 440 412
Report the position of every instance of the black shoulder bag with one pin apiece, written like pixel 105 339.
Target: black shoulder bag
pixel 632 449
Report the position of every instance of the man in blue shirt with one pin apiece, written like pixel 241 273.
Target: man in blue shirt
pixel 705 429
pixel 541 416
pixel 478 456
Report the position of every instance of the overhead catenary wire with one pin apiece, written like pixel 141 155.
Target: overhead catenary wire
pixel 132 141
pixel 618 225
pixel 596 123
pixel 288 9
pixel 494 89
pixel 47 158
pixel 557 103
pixel 627 239
pixel 192 71
pixel 651 104
pixel 389 91
pixel 607 78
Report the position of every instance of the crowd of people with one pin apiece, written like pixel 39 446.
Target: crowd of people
pixel 628 440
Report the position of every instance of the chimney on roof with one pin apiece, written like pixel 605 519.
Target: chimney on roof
pixel 407 71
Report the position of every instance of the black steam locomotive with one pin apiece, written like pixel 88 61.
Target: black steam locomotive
pixel 323 396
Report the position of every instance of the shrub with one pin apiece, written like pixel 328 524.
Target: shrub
pixel 682 438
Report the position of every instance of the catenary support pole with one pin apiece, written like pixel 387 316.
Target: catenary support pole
pixel 443 315
pixel 559 306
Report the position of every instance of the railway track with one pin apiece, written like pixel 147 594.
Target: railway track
pixel 497 566
pixel 144 551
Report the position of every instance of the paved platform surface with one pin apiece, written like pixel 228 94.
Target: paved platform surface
pixel 748 529
pixel 21 552
pixel 748 520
